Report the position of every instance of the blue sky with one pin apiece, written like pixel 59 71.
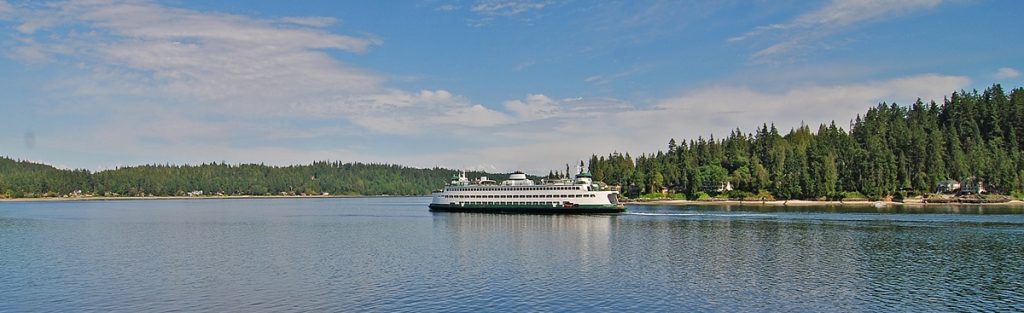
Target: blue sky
pixel 495 85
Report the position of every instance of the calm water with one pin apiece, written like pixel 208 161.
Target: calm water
pixel 391 254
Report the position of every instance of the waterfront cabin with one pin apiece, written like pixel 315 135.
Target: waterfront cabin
pixel 948 186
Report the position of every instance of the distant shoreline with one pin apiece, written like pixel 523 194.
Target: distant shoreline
pixel 778 203
pixel 917 203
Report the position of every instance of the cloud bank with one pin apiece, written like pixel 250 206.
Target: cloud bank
pixel 148 83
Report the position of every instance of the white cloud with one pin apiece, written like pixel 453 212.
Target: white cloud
pixel 5 7
pixel 447 8
pixel 1006 72
pixel 311 21
pixel 605 79
pixel 535 107
pixel 573 129
pixel 230 65
pixel 718 109
pixel 507 7
pixel 838 15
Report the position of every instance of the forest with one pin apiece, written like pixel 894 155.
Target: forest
pixel 890 151
pixel 21 179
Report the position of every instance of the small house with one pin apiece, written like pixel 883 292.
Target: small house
pixel 948 186
pixel 721 187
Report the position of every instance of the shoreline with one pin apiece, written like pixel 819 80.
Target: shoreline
pixel 102 198
pixel 798 203
pixel 773 203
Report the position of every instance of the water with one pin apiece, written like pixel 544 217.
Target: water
pixel 391 254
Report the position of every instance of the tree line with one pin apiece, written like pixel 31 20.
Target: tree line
pixel 27 179
pixel 890 151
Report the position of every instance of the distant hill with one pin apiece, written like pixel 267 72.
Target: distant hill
pixel 27 179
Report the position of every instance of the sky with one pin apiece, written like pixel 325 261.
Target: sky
pixel 497 85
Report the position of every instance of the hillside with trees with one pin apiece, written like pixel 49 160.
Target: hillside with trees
pixel 20 179
pixel 890 151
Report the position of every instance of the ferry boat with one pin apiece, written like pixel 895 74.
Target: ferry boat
pixel 519 194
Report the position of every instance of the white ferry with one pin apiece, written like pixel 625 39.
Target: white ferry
pixel 521 195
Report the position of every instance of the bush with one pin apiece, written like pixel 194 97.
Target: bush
pixel 652 196
pixel 701 196
pixel 853 196
pixel 739 194
pixel 1019 195
pixel 761 195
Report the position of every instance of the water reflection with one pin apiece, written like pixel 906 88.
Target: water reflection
pixel 540 238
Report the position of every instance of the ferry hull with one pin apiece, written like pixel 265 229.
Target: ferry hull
pixel 527 209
